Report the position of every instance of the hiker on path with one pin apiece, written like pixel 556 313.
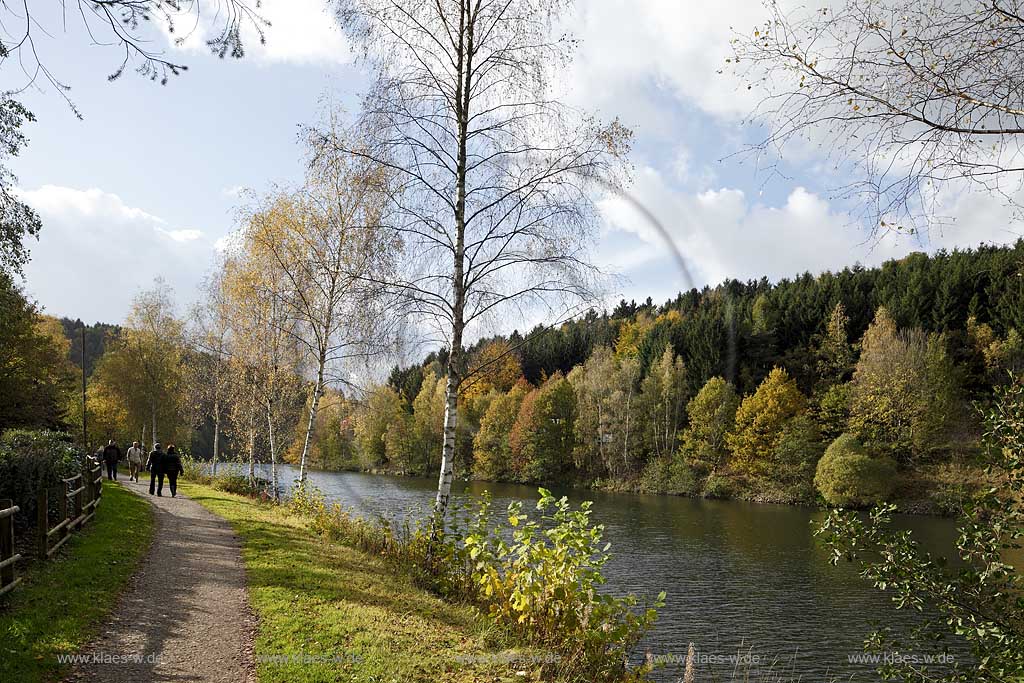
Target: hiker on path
pixel 172 468
pixel 155 467
pixel 134 461
pixel 111 456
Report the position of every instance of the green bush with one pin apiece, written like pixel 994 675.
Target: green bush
pixel 670 475
pixel 31 461
pixel 796 456
pixel 543 586
pixel 848 476
pixel 240 484
pixel 973 598
pixel 195 470
pixel 718 486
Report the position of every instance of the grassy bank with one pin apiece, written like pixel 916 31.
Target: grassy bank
pixel 349 615
pixel 939 489
pixel 56 609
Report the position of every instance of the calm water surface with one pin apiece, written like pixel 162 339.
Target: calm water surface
pixel 740 577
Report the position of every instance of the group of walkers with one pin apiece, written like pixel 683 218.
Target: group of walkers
pixel 159 464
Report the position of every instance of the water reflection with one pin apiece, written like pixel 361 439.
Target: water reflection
pixel 740 577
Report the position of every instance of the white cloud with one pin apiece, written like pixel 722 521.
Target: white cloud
pixel 724 233
pixel 641 49
pixel 96 252
pixel 300 32
pixel 182 235
pixel 222 244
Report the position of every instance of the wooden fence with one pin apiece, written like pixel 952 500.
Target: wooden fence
pixel 77 500
pixel 8 558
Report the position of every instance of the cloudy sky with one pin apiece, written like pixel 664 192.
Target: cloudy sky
pixel 145 184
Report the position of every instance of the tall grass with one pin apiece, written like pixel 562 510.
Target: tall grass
pixel 536 578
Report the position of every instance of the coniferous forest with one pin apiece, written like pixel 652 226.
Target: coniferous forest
pixel 812 387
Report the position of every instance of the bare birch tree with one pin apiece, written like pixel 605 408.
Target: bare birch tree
pixel 918 96
pixel 326 244
pixel 209 367
pixel 266 354
pixel 152 342
pixel 492 176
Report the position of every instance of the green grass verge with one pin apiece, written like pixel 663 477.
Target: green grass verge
pixel 58 605
pixel 320 600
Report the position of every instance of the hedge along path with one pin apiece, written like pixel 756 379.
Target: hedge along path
pixel 186 614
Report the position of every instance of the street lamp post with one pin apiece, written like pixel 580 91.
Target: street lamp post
pixel 85 418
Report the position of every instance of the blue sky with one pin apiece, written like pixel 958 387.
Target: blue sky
pixel 147 183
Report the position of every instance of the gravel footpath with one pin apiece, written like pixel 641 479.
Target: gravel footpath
pixel 185 615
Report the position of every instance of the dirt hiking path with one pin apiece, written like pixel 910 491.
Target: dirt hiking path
pixel 185 615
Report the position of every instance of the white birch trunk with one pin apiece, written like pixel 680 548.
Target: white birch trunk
pixel 625 445
pixel 273 450
pixel 444 482
pixel 216 435
pixel 252 447
pixel 314 404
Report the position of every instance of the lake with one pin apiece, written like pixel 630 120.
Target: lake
pixel 741 578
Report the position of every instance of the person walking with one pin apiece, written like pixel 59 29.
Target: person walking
pixel 134 461
pixel 172 468
pixel 155 467
pixel 111 456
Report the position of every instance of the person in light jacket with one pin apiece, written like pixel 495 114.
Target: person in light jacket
pixel 135 454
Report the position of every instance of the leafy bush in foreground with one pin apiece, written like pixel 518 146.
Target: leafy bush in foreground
pixel 847 476
pixel 981 601
pixel 544 586
pixel 537 579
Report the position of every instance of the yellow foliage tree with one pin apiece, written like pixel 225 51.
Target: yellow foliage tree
pixel 496 366
pixel 761 420
pixel 631 336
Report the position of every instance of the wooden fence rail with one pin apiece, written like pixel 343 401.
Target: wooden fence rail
pixel 77 500
pixel 8 558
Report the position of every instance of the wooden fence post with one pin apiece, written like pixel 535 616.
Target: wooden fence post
pixel 87 495
pixel 7 556
pixel 98 478
pixel 43 522
pixel 64 508
pixel 78 498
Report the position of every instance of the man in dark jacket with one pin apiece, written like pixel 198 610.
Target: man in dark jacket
pixel 111 456
pixel 155 466
pixel 172 467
